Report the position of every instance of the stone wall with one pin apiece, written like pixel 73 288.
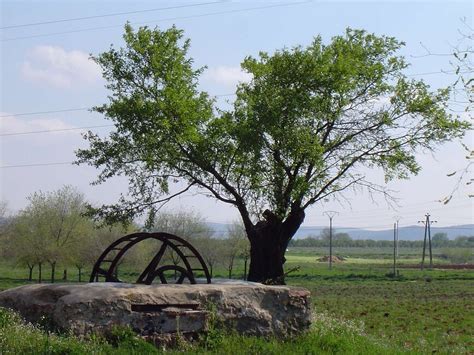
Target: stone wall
pixel 249 308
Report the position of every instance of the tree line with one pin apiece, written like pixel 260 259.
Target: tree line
pixel 53 231
pixel 439 240
pixel 54 234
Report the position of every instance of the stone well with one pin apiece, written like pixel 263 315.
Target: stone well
pixel 249 308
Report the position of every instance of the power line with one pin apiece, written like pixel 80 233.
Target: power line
pixel 55 130
pixel 384 211
pixel 45 112
pixel 102 126
pixel 88 108
pixel 37 164
pixel 75 109
pixel 107 15
pixel 436 72
pixel 160 20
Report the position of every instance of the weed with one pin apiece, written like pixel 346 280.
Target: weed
pixel 125 338
pixel 213 337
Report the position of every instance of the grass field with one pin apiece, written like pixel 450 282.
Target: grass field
pixel 422 311
pixel 360 306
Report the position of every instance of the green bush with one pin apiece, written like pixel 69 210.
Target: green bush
pixel 458 255
pixel 126 339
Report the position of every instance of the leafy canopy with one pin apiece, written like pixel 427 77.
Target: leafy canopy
pixel 301 130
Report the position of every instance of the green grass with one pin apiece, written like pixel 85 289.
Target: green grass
pixel 19 337
pixel 418 315
pixel 304 258
pixel 422 311
pixel 327 336
pixel 358 306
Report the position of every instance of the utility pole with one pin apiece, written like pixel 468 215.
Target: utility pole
pixel 427 224
pixel 397 219
pixel 331 215
pixel 394 249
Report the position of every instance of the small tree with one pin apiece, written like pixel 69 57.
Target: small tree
pixel 185 224
pixel 86 250
pixel 440 240
pixel 235 246
pixel 5 228
pixel 299 132
pixel 26 244
pixel 211 250
pixel 81 258
pixel 48 227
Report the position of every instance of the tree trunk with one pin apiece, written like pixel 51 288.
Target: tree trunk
pixel 266 258
pixel 268 242
pixel 230 266
pixel 30 269
pixel 79 273
pixel 245 268
pixel 40 276
pixel 65 275
pixel 53 272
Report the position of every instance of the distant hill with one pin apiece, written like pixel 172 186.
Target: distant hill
pixel 405 233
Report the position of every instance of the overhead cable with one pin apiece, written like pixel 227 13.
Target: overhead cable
pixel 55 130
pixel 107 15
pixel 160 20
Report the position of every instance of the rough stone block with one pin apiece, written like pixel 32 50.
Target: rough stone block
pixel 249 308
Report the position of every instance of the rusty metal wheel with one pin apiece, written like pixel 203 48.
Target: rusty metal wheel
pixel 190 262
pixel 179 274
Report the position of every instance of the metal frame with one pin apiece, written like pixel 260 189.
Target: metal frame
pixel 115 251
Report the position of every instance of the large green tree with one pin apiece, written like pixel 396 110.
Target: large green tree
pixel 300 131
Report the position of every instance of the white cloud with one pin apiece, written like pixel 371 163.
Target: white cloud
pixel 54 66
pixel 11 124
pixel 227 75
pixel 52 147
pixel 57 144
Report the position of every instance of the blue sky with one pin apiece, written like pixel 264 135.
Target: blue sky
pixel 45 68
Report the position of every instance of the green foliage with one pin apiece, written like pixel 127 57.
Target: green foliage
pixel 126 339
pixel 212 339
pixel 298 132
pixel 119 334
pixel 343 240
pixel 440 239
pixel 186 224
pixel 18 337
pixel 8 318
pixel 335 336
pixel 459 255
pixel 47 230
pixel 327 336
